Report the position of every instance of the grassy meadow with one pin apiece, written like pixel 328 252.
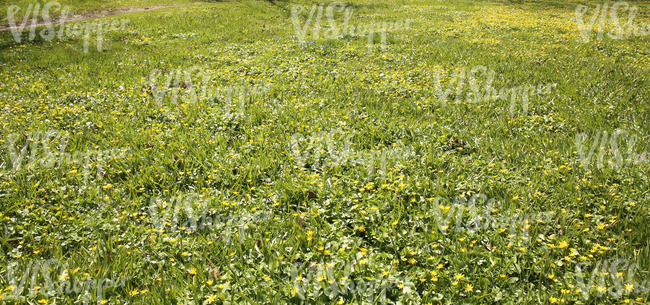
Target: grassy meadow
pixel 344 164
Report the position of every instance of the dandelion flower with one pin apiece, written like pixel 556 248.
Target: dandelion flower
pixel 468 287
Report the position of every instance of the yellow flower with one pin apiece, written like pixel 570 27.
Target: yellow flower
pixel 134 292
pixel 468 287
pixel 42 301
pixel 459 276
pixel 193 271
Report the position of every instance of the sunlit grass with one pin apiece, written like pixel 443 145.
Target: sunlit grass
pixel 381 221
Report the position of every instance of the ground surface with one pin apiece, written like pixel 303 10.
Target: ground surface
pixel 324 203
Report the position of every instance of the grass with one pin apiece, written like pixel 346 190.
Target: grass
pixel 381 222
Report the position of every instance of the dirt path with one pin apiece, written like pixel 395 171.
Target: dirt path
pixel 78 17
